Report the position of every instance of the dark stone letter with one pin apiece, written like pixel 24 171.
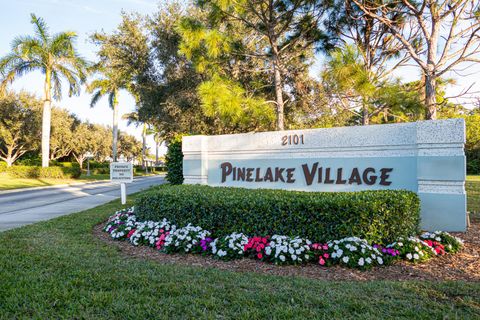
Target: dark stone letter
pixel 339 177
pixel 226 170
pixel 257 176
pixel 327 177
pixel 268 175
pixel 355 177
pixel 279 174
pixel 369 180
pixel 249 174
pixel 290 175
pixel 384 175
pixel 309 174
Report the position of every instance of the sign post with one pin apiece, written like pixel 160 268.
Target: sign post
pixel 122 172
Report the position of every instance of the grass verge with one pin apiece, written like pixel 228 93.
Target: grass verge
pixel 473 194
pixel 7 183
pixel 58 269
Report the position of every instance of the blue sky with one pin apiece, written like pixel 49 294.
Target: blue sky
pixel 88 16
pixel 83 17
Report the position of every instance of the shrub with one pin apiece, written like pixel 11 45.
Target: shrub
pixel 174 161
pixel 3 166
pixel 378 216
pixel 40 172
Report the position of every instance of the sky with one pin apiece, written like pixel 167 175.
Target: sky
pixel 84 17
pixel 87 16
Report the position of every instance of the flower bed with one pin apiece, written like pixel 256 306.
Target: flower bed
pixel 350 252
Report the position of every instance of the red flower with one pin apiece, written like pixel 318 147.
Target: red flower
pixel 130 233
pixel 259 256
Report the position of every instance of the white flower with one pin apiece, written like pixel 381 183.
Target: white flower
pixel 379 260
pixel 361 262
pixel 416 256
pixel 368 260
pixel 282 258
pixel 409 256
pixel 345 259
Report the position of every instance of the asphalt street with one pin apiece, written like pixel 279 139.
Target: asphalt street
pixel 22 207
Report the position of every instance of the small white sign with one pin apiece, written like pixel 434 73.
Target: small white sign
pixel 121 172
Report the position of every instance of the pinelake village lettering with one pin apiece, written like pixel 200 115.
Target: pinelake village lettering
pixel 312 174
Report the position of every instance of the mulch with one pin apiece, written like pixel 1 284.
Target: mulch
pixel 464 265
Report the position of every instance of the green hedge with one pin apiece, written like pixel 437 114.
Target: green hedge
pixel 174 161
pixel 378 216
pixel 39 172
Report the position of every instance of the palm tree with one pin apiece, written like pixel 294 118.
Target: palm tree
pixel 133 117
pixel 158 137
pixel 56 57
pixel 109 85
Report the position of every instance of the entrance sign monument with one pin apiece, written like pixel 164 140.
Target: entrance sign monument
pixel 426 157
pixel 122 172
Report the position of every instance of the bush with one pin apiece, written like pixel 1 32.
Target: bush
pixel 3 166
pixel 39 172
pixel 174 161
pixel 473 161
pixel 378 216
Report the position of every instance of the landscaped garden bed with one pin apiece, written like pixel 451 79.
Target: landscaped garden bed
pixel 464 265
pixel 407 253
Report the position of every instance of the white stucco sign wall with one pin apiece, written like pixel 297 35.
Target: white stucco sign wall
pixel 426 157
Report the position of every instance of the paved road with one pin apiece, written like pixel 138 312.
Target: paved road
pixel 23 207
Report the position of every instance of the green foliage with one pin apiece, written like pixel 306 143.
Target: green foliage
pixel 54 55
pixel 57 172
pixel 174 161
pixel 19 125
pixel 228 101
pixel 378 216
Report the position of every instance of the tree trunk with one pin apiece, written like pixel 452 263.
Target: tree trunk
pixel 9 161
pixel 156 153
pixel 279 96
pixel 144 147
pixel 46 120
pixel 115 132
pixel 365 116
pixel 430 97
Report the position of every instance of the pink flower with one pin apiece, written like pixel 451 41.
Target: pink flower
pixel 130 233
pixel 259 256
pixel 321 261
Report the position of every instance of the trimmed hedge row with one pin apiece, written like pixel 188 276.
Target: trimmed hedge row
pixel 174 161
pixel 72 172
pixel 378 216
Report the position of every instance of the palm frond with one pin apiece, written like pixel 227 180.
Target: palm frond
pixel 62 44
pixel 41 29
pixel 112 98
pixel 72 78
pixel 102 85
pixel 97 95
pixel 132 118
pixel 57 86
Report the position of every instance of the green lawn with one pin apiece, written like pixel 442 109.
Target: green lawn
pixel 57 269
pixel 473 193
pixel 7 182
